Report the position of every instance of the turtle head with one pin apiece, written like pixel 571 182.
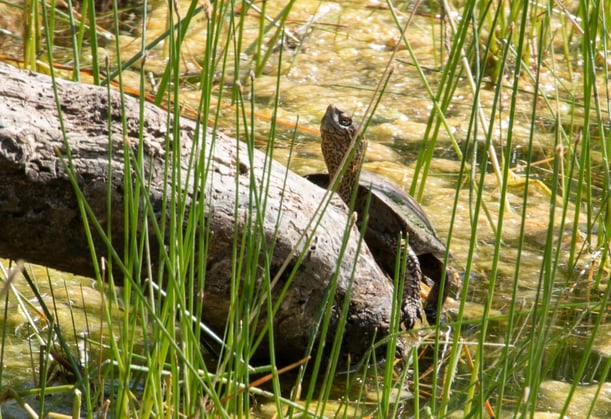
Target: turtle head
pixel 337 131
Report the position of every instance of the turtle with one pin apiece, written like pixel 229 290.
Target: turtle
pixel 395 221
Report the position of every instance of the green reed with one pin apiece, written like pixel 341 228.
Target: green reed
pixel 503 45
pixel 32 36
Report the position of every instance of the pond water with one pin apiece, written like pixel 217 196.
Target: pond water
pixel 337 52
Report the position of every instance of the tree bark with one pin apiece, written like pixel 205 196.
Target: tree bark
pixel 40 220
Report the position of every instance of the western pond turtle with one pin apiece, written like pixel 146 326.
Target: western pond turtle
pixel 391 215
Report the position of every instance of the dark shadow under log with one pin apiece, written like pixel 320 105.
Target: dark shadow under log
pixel 41 223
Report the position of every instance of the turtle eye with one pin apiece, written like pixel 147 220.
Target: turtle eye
pixel 344 121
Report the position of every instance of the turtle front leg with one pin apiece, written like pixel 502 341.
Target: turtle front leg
pixel 411 304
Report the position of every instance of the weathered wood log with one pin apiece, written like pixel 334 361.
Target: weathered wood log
pixel 40 221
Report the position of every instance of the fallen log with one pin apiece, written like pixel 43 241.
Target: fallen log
pixel 41 223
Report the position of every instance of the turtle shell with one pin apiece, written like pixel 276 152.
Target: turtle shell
pixel 391 214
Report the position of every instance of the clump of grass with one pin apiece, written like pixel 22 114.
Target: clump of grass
pixel 516 50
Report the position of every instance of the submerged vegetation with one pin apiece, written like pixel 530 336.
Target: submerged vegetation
pixel 501 119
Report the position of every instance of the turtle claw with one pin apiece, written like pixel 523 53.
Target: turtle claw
pixel 411 312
